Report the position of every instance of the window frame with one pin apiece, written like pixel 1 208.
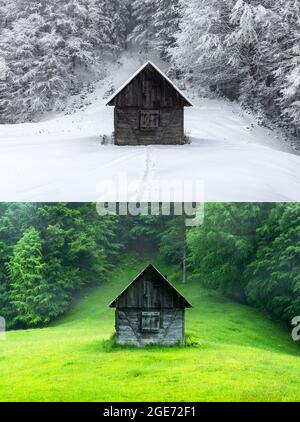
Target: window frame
pixel 151 314
pixel 155 112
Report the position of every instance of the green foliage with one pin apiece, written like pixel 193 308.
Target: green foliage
pixel 153 232
pixel 191 341
pixel 49 252
pixel 172 240
pixel 274 274
pixel 141 232
pixel 242 355
pixel 26 281
pixel 251 252
pixel 248 251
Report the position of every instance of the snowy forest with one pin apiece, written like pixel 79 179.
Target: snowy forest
pixel 243 50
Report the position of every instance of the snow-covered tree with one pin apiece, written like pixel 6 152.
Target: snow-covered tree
pixel 166 24
pixel 155 25
pixel 109 23
pixel 200 50
pixel 51 48
pixel 251 42
pixel 287 62
pixel 245 49
pixel 18 47
pixel 143 33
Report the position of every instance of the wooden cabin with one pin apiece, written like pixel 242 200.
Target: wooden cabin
pixel 150 311
pixel 149 109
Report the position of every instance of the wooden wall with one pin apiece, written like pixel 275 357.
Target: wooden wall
pixel 149 291
pixel 128 327
pixel 149 90
pixel 128 132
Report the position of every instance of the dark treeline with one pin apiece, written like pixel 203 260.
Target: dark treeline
pixel 246 50
pixel 250 252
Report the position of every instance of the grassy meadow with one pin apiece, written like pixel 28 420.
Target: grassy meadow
pixel 235 353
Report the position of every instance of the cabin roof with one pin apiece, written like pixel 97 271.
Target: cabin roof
pixel 185 301
pixel 162 74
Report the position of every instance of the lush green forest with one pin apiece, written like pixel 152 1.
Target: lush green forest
pixel 251 252
pixel 62 264
pixel 48 252
pixel 248 251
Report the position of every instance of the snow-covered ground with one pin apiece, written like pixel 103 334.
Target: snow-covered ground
pixel 61 158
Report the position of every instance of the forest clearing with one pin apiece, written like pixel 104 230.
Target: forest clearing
pixel 235 353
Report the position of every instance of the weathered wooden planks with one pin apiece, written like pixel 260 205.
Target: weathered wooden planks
pixel 149 110
pixel 129 331
pixel 150 311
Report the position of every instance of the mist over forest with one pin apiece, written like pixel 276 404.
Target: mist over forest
pixel 49 252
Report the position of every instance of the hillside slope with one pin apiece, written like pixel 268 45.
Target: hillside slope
pixel 61 157
pixel 241 355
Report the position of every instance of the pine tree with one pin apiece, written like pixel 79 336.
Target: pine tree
pixel 221 249
pixel 166 24
pixel 245 49
pixel 173 244
pixel 143 34
pixel 69 246
pixel 200 50
pixel 17 46
pixel 26 276
pixel 156 22
pixel 251 42
pixel 52 47
pixel 287 63
pixel 250 252
pixel 273 276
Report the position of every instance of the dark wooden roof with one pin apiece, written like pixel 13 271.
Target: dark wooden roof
pixel 129 94
pixel 162 293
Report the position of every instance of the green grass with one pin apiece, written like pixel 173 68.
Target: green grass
pixel 236 354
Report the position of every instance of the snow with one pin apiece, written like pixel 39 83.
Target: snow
pixel 61 157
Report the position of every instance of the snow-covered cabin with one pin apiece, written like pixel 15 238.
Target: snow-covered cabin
pixel 149 109
pixel 150 311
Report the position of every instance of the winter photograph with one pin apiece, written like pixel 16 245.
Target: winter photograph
pixel 154 89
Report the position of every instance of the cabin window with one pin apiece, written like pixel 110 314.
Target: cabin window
pixel 150 321
pixel 149 119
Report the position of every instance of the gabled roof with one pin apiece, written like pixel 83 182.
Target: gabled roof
pixel 151 266
pixel 162 74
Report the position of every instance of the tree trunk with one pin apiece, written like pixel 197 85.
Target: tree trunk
pixel 184 258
